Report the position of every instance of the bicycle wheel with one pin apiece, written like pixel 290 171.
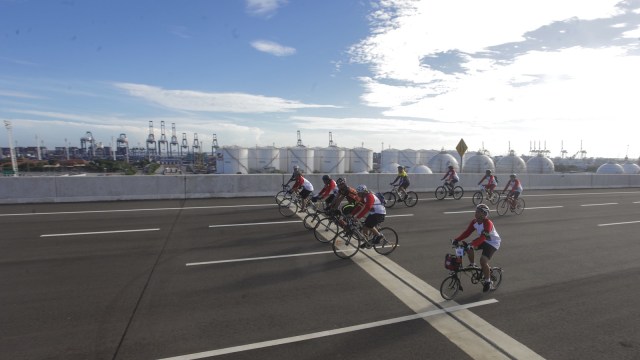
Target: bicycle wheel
pixel 519 206
pixel 495 197
pixel 281 196
pixel 450 287
pixel 390 199
pixel 441 192
pixel 345 245
pixel 288 207
pixel 496 277
pixel 502 207
pixel 411 200
pixel 458 192
pixel 310 221
pixel 388 243
pixel 477 198
pixel 326 230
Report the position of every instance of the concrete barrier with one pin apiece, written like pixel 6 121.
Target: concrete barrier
pixel 45 189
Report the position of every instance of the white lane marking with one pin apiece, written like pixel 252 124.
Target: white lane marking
pixel 532 208
pixel 99 232
pixel 134 210
pixel 282 222
pixel 326 333
pixel 257 258
pixel 620 223
pixel 475 336
pixel 603 204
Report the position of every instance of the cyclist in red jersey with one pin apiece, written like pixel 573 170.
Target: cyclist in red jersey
pixel 345 192
pixel 375 211
pixel 491 182
pixel 328 192
pixel 303 187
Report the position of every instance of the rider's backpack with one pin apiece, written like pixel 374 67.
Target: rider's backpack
pixel 381 198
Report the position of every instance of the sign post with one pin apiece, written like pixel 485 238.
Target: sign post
pixel 461 148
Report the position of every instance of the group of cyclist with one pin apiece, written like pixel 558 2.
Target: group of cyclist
pixel 365 203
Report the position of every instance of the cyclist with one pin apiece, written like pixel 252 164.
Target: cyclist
pixel 375 211
pixel 403 183
pixel 328 192
pixel 491 182
pixel 303 187
pixel 451 179
pixel 296 171
pixel 516 190
pixel 345 192
pixel 488 241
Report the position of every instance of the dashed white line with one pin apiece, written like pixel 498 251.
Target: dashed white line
pixel 602 204
pixel 620 223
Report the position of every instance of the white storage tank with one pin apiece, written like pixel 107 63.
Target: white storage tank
pixel 631 168
pixel 332 160
pixel 408 158
pixel 478 163
pixel 426 155
pixel 511 164
pixel 540 164
pixel 388 157
pixel 301 156
pixel 360 160
pixel 420 169
pixel 264 159
pixel 235 160
pixel 440 163
pixel 391 168
pixel 610 168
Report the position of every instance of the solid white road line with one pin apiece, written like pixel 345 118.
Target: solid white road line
pixel 99 232
pixel 620 223
pixel 603 204
pixel 326 333
pixel 282 222
pixel 257 258
pixel 137 210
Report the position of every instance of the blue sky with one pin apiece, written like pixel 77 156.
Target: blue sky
pixel 502 74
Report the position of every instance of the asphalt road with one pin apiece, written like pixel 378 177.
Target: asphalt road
pixel 233 279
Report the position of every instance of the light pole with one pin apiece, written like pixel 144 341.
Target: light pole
pixel 14 162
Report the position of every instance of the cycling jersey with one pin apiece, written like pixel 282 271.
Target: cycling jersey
pixel 370 205
pixel 328 189
pixel 451 175
pixel 486 233
pixel 515 185
pixel 491 181
pixel 301 182
pixel 350 194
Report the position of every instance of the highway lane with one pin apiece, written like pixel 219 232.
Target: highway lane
pixel 132 295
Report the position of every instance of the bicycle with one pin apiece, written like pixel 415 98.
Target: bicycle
pixel 481 194
pixel 447 189
pixel 315 213
pixel 349 240
pixel 283 194
pixel 451 285
pixel 327 229
pixel 509 203
pixel 410 199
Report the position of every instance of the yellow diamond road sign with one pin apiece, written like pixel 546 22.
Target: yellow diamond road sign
pixel 462 147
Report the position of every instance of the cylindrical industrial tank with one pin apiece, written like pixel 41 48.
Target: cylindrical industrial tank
pixel 420 169
pixel 235 160
pixel 540 164
pixel 387 157
pixel 391 168
pixel 264 159
pixel 332 160
pixel 511 164
pixel 408 158
pixel 478 163
pixel 440 162
pixel 631 168
pixel 610 168
pixel 301 156
pixel 426 155
pixel 360 160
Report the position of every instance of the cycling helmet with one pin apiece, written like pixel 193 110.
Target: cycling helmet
pixel 513 176
pixel 400 167
pixel 483 208
pixel 296 167
pixel 488 172
pixel 361 188
pixel 341 181
pixel 450 167
pixel 326 178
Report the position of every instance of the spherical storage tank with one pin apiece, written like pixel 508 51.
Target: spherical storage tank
pixel 631 168
pixel 300 156
pixel 511 164
pixel 264 159
pixel 420 169
pixel 610 168
pixel 478 163
pixel 440 163
pixel 331 160
pixel 540 165
pixel 235 160
pixel 360 160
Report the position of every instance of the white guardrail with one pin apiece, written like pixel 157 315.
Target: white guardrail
pixel 47 189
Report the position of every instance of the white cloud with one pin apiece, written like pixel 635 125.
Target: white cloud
pixel 272 48
pixel 264 8
pixel 214 102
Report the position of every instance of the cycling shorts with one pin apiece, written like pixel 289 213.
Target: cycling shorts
pixel 373 219
pixel 487 250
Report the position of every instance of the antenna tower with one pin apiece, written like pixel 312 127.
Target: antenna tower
pixel 14 161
